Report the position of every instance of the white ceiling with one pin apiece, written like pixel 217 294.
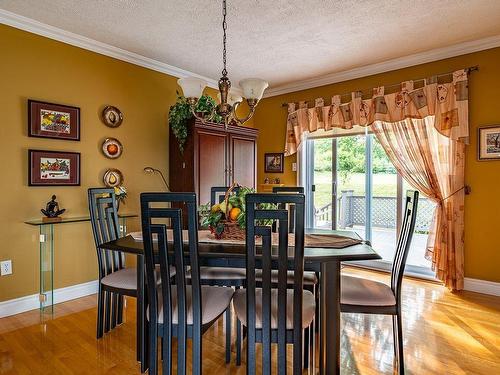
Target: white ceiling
pixel 281 41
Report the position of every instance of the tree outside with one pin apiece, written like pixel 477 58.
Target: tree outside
pixel 351 169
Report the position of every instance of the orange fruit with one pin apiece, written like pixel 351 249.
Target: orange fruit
pixel 234 213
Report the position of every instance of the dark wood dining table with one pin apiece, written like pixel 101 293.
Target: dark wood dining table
pixel 326 261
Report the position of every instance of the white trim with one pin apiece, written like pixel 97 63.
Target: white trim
pixel 482 286
pixel 22 304
pixel 386 66
pixel 39 28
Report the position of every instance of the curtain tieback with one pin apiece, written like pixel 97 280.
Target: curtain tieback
pixel 466 188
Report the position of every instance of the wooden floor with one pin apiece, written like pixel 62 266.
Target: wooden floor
pixel 445 333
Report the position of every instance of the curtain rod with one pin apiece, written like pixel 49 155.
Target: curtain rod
pixel 468 70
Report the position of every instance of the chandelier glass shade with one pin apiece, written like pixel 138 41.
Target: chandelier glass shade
pixel 229 101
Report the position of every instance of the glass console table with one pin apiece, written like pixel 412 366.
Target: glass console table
pixel 47 247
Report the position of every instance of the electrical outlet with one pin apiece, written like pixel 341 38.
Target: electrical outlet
pixel 6 267
pixel 294 167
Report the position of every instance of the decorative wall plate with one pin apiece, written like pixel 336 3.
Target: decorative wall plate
pixel 112 178
pixel 112 116
pixel 112 148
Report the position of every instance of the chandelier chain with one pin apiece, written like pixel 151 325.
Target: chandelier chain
pixel 224 27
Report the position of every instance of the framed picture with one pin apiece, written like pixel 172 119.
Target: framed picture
pixel 489 142
pixel 273 162
pixel 53 168
pixel 48 120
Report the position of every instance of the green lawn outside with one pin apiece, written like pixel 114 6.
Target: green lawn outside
pixel 384 185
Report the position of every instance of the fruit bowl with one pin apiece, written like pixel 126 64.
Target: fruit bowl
pixel 227 219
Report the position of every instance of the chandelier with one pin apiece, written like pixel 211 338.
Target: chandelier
pixel 253 89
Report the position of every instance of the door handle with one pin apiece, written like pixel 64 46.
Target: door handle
pixel 313 187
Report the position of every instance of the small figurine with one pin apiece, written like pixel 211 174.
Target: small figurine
pixel 277 180
pixel 52 208
pixel 266 180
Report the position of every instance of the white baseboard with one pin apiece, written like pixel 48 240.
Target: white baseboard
pixel 22 304
pixel 482 286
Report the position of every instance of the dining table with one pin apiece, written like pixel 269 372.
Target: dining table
pixel 326 261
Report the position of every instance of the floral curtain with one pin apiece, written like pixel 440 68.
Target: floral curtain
pixel 424 132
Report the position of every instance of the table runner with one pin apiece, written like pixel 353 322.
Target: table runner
pixel 311 240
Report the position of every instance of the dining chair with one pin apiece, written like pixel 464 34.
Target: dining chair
pixel 223 276
pixel 310 278
pixel 185 309
pixel 274 313
pixel 115 280
pixel 359 295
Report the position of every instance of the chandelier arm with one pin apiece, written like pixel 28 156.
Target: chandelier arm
pixel 241 121
pixel 203 119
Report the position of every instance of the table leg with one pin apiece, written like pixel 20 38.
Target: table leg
pixel 141 318
pixel 329 339
pixel 46 296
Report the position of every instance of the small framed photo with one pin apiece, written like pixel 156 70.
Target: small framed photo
pixel 273 162
pixel 489 142
pixel 48 120
pixel 53 168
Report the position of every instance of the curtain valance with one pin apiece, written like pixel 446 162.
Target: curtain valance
pixel 448 102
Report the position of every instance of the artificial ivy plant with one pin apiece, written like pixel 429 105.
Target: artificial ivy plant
pixel 180 114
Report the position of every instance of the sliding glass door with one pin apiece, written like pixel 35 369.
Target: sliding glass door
pixel 353 186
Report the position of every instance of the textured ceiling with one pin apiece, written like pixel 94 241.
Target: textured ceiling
pixel 281 41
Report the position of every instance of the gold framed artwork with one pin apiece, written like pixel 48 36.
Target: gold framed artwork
pixel 273 162
pixel 49 120
pixel 488 143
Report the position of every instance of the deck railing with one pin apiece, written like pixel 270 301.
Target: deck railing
pixel 351 211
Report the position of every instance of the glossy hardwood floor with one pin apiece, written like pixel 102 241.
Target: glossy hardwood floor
pixel 445 333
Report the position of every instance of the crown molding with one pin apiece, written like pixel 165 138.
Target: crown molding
pixel 386 66
pixel 39 28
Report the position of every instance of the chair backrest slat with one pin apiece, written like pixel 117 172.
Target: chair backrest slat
pixel 169 250
pixel 291 207
pixel 268 258
pixel 404 241
pixel 217 193
pixel 105 227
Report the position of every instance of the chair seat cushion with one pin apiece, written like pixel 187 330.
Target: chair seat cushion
pixel 309 277
pixel 308 307
pixel 125 278
pixel 363 292
pixel 222 273
pixel 215 300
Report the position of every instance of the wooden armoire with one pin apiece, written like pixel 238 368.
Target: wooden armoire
pixel 213 156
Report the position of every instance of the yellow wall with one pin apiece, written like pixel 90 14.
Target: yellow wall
pixel 39 68
pixel 482 222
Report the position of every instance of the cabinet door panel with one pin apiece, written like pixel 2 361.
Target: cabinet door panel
pixel 243 161
pixel 212 163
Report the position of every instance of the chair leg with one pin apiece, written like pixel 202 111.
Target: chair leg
pixel 305 344
pixel 397 327
pixel 153 348
pixel 228 334
pixel 100 313
pixel 166 353
pixel 107 309
pixel 121 303
pixel 114 308
pixel 238 342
